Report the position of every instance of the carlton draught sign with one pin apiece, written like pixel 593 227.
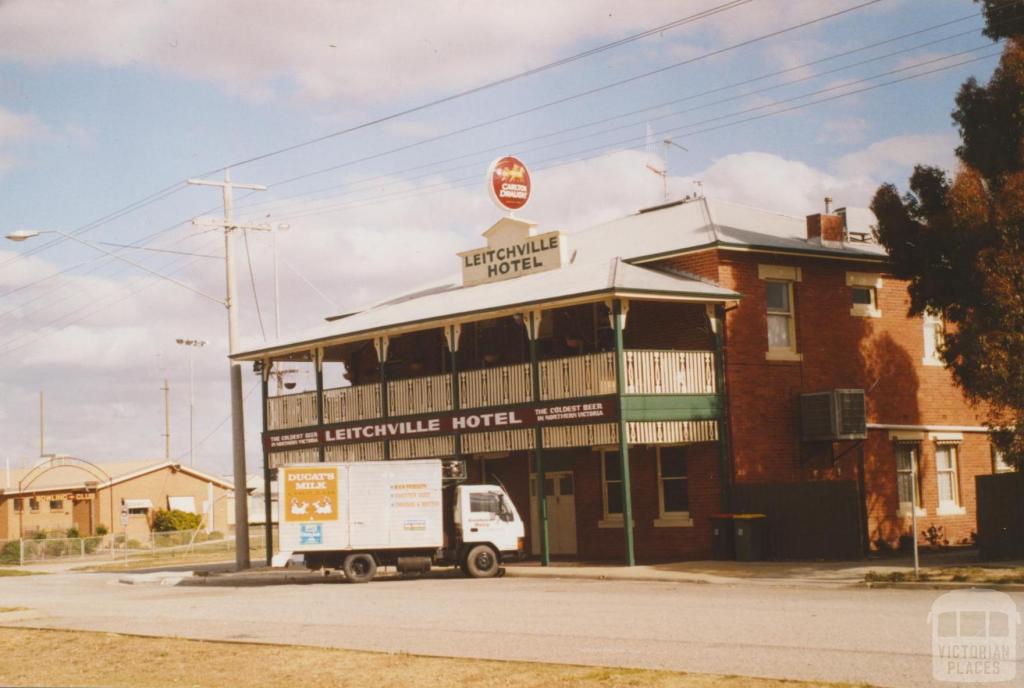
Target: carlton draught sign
pixel 509 183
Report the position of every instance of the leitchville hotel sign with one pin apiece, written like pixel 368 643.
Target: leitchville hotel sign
pixel 512 250
pixel 525 416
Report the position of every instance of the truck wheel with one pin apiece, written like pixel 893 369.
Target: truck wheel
pixel 359 568
pixel 481 562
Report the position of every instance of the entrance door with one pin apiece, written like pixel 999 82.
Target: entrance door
pixel 560 490
pixel 81 516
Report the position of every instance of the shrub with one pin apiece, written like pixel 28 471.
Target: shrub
pixel 174 519
pixel 215 535
pixel 134 544
pixel 10 553
pixel 73 533
pixel 39 535
pixel 101 529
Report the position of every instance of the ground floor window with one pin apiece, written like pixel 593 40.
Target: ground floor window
pixel 56 504
pixel 1000 464
pixel 33 504
pixel 611 484
pixel 673 483
pixel 908 475
pixel 946 469
pixel 19 504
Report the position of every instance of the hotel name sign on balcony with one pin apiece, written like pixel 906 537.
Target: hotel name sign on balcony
pixel 513 250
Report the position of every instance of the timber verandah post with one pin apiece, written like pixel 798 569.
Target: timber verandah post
pixel 318 359
pixel 716 320
pixel 532 322
pixel 381 345
pixel 452 333
pixel 619 309
pixel 268 510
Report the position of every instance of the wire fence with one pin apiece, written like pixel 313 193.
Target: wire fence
pixel 195 545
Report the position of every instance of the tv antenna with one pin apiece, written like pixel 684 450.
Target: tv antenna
pixel 663 171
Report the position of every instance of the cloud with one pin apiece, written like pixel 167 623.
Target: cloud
pixel 356 51
pixel 892 159
pixel 17 130
pixel 845 130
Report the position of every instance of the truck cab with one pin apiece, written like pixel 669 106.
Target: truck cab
pixel 486 525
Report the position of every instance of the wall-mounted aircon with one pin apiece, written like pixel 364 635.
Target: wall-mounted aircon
pixel 833 416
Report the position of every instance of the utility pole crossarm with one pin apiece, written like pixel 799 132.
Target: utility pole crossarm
pixel 210 182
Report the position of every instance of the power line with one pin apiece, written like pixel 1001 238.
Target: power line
pixel 252 282
pixel 574 96
pixel 504 80
pixel 432 165
pixel 679 131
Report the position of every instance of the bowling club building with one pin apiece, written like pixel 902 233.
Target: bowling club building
pixel 646 374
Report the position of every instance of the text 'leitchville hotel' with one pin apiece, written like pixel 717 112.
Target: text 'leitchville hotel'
pixel 691 359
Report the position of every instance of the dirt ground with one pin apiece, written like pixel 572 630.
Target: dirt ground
pixel 63 658
pixel 956 574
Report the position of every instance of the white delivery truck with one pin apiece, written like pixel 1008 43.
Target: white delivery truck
pixel 407 514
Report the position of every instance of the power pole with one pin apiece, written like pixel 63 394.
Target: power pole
pixel 167 420
pixel 237 421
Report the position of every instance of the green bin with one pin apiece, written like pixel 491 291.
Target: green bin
pixel 723 540
pixel 751 534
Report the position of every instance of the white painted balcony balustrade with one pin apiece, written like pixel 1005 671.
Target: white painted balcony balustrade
pixel 590 375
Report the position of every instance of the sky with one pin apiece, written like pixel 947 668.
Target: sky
pixel 107 107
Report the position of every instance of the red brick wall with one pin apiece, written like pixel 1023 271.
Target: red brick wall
pixel 881 355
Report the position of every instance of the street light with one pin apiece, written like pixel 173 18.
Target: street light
pixel 192 345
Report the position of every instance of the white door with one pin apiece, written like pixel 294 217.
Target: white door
pixel 561 500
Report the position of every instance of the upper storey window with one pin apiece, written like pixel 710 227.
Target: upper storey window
pixel 779 287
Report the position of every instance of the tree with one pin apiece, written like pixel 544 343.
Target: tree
pixel 960 241
pixel 173 519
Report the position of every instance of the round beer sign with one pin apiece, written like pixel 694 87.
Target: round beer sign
pixel 509 183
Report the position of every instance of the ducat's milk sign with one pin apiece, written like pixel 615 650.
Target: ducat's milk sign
pixel 509 182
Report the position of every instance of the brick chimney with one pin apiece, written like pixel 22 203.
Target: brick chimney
pixel 825 227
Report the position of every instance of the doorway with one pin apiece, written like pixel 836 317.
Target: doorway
pixel 560 494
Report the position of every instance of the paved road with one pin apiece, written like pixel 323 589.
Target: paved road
pixel 876 636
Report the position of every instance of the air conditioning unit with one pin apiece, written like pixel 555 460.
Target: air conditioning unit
pixel 833 416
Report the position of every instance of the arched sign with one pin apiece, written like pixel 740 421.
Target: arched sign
pixel 509 183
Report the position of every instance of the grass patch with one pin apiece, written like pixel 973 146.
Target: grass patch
pixel 18 572
pixel 4 610
pixel 149 562
pixel 48 658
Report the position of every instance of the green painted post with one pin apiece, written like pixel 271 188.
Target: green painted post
pixel 724 433
pixel 318 362
pixel 620 388
pixel 382 359
pixel 538 452
pixel 453 350
pixel 267 505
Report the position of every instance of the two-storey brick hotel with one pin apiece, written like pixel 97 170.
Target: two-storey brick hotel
pixel 646 374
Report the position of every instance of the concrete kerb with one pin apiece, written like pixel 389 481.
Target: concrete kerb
pixel 944 585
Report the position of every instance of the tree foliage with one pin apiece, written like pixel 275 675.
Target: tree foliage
pixel 960 241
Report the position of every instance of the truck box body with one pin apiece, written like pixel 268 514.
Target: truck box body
pixel 372 505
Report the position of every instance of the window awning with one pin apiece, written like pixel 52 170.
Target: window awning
pixel 138 504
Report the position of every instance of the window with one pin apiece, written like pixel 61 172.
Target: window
pixel 1000 464
pixel 779 296
pixel 864 287
pixel 484 502
pixel 673 488
pixel 934 332
pixel 19 504
pixel 908 476
pixel 945 469
pixel 138 511
pixel 56 505
pixel 33 504
pixel 611 483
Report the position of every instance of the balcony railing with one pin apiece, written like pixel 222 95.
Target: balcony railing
pixel 670 372
pixel 647 372
pixel 350 403
pixel 511 384
pixel 420 395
